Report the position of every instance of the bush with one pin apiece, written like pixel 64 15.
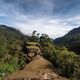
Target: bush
pixel 8 68
pixel 64 61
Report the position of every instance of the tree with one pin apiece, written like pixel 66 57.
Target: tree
pixel 34 36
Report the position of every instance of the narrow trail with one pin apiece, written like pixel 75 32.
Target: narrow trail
pixel 38 69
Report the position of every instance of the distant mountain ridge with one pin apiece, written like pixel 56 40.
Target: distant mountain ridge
pixel 74 31
pixel 70 40
pixel 9 36
pixel 9 32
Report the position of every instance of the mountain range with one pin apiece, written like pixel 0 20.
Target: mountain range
pixel 71 40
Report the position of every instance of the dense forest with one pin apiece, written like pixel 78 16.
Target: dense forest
pixel 65 59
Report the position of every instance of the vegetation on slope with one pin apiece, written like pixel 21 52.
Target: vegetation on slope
pixel 66 62
pixel 12 58
pixel 71 40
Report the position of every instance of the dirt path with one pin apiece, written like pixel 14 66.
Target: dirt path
pixel 38 69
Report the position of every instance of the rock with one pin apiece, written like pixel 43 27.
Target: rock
pixel 32 50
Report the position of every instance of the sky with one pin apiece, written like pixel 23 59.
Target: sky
pixel 53 17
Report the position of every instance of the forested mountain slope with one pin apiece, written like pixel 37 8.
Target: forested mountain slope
pixel 71 40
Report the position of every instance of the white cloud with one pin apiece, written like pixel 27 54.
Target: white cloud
pixel 54 27
pixel 51 26
pixel 44 23
pixel 75 19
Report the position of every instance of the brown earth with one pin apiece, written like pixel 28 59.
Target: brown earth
pixel 38 69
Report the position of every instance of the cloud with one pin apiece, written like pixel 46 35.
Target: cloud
pixel 32 7
pixel 46 7
pixel 53 17
pixel 53 27
pixel 66 8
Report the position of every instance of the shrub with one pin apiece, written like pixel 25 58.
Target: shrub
pixel 7 68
